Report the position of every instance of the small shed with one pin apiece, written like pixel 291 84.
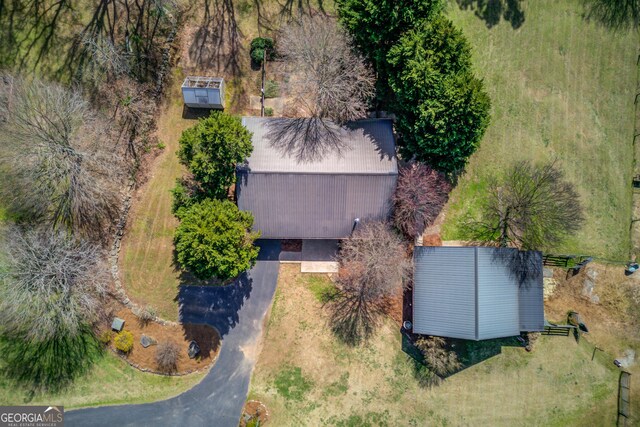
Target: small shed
pixel 477 293
pixel 203 92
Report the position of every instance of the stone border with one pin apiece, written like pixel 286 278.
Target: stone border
pixel 164 374
pixel 114 254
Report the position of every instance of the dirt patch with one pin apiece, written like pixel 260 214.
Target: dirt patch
pixel 254 410
pixel 432 240
pixel 291 245
pixel 208 340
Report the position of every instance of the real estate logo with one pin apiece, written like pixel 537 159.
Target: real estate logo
pixel 31 416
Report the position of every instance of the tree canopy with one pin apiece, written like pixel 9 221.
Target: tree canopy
pixel 373 268
pixel 212 148
pixel 331 80
pixel 376 25
pixel 424 77
pixel 441 107
pixel 57 160
pixel 214 239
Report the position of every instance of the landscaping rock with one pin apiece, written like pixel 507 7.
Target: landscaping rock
pixel 589 284
pixel 547 272
pixel 194 350
pixel 629 358
pixel 146 341
pixel 549 287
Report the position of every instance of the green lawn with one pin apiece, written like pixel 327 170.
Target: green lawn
pixel 561 87
pixel 110 381
pixel 306 377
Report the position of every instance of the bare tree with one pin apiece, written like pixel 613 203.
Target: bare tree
pixel 373 268
pixel 420 195
pixel 331 85
pixel 167 355
pixel 440 361
pixel 531 207
pixel 51 285
pixel 59 164
pixel 331 81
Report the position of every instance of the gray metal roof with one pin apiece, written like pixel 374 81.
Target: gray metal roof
pixel 320 197
pixel 366 147
pixel 313 206
pixel 477 293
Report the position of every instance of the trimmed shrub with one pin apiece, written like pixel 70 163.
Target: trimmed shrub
pixel 214 239
pixel 167 355
pixel 211 150
pixel 124 341
pixel 268 111
pixel 258 46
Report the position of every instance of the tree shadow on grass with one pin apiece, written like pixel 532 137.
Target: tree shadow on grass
pixel 469 353
pixel 30 31
pixel 216 43
pixel 492 11
pixel 49 366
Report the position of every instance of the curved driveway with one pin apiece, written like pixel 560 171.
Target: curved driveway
pixel 237 311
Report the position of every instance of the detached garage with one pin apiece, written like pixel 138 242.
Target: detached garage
pixel 477 293
pixel 320 198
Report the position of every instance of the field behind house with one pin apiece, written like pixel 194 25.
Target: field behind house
pixel 306 377
pixel 561 88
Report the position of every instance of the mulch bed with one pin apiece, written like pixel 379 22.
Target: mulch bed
pixel 254 409
pixel 208 340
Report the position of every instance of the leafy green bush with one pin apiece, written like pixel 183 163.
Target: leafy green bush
pixel 211 149
pixel 124 341
pixel 268 111
pixel 257 51
pixel 214 240
pixel 271 89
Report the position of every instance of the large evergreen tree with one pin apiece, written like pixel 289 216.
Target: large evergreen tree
pixel 441 107
pixel 214 239
pixel 212 148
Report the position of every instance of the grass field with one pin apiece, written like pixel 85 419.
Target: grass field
pixel 110 381
pixel 561 88
pixel 306 377
pixel 146 259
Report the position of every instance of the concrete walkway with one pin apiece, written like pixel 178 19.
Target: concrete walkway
pixel 237 311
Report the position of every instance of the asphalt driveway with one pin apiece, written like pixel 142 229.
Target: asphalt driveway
pixel 237 311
